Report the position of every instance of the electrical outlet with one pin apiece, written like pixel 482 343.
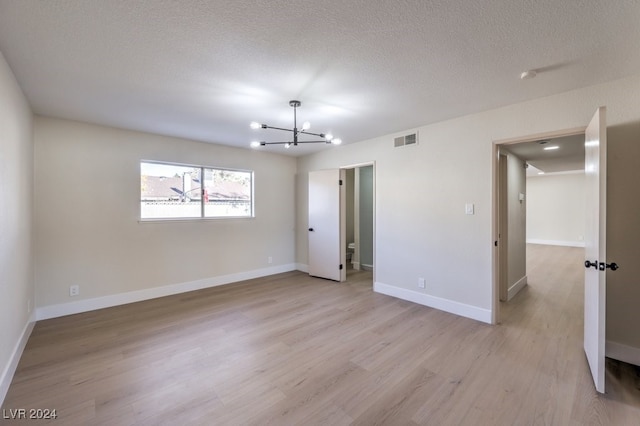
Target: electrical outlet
pixel 270 260
pixel 421 283
pixel 74 290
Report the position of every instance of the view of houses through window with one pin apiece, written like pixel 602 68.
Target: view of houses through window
pixel 172 191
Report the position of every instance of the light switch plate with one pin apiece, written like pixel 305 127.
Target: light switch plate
pixel 469 208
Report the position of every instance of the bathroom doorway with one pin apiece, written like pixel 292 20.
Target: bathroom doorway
pixel 359 220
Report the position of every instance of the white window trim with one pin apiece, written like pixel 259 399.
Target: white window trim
pixel 202 217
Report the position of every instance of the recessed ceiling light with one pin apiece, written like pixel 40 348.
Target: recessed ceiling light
pixel 549 148
pixel 527 75
pixel 540 173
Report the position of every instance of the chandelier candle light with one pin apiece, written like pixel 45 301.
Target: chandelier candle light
pixel 326 137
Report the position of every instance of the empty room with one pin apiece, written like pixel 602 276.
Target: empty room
pixel 300 212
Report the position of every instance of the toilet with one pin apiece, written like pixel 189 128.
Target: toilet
pixel 351 248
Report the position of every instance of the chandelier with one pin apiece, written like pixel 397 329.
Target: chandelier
pixel 296 133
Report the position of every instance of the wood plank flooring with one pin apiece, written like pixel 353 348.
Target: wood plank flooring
pixel 294 350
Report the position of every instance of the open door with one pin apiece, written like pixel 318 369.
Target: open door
pixel 327 245
pixel 595 245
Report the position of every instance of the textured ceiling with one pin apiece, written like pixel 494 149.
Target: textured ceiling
pixel 568 157
pixel 204 69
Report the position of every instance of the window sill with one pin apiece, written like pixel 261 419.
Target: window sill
pixel 194 219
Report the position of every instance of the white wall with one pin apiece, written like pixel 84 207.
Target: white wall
pixel 87 189
pixel 16 212
pixel 623 241
pixel 555 209
pixel 421 226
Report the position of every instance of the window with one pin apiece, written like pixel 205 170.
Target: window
pixel 173 191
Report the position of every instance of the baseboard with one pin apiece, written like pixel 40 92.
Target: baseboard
pixel 622 352
pixel 54 311
pixel 515 289
pixel 14 359
pixel 446 305
pixel 556 243
pixel 305 268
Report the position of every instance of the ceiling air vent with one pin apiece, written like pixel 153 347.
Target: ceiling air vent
pixel 411 139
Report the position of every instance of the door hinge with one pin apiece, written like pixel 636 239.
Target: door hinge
pixel 341 266
pixel 340 182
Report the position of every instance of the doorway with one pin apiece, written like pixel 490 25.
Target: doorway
pixel 359 220
pixel 327 226
pixel 595 168
pixel 513 162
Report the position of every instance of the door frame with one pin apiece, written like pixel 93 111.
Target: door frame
pixel 503 227
pixel 495 206
pixel 343 218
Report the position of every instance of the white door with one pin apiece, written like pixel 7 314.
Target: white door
pixel 595 245
pixel 326 238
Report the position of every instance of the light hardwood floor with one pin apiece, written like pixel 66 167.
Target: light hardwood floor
pixel 294 350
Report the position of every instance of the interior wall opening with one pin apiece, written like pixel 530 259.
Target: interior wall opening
pixel 520 220
pixel 359 222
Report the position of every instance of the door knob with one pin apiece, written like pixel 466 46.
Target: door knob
pixel 613 266
pixel 310 229
pixel 588 264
